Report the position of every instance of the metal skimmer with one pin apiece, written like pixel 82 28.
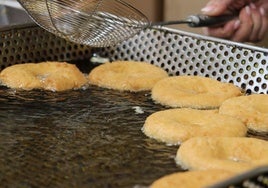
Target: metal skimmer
pixel 99 23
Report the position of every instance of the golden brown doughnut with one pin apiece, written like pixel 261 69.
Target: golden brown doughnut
pixel 252 110
pixel 127 75
pixel 192 179
pixel 54 76
pixel 174 126
pixel 231 153
pixel 193 92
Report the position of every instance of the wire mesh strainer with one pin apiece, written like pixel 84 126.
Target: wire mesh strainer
pixel 97 23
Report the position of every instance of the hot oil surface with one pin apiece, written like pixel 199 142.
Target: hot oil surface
pixel 82 138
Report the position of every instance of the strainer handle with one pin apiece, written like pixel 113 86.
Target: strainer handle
pixel 201 20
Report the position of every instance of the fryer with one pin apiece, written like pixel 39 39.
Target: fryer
pixel 92 137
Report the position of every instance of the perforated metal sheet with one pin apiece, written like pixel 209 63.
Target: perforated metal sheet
pixel 176 51
pixel 29 43
pixel 183 53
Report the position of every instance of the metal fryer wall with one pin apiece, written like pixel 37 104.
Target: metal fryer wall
pixel 176 51
pixel 182 53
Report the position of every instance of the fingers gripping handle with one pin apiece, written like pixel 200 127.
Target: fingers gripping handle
pixel 206 21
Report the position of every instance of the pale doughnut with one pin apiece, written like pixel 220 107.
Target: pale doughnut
pixel 192 179
pixel 174 126
pixel 193 91
pixel 127 75
pixel 54 76
pixel 231 153
pixel 251 109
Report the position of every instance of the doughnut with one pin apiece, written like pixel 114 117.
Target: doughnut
pixel 193 92
pixel 237 154
pixel 192 179
pixel 126 76
pixel 251 109
pixel 174 126
pixel 54 76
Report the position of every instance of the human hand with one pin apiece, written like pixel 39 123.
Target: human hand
pixel 251 25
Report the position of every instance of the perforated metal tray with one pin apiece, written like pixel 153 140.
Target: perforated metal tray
pixel 92 137
pixel 176 51
pixel 183 53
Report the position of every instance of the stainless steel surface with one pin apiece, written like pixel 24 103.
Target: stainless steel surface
pixel 11 15
pixel 92 137
pixel 182 53
pixel 176 51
